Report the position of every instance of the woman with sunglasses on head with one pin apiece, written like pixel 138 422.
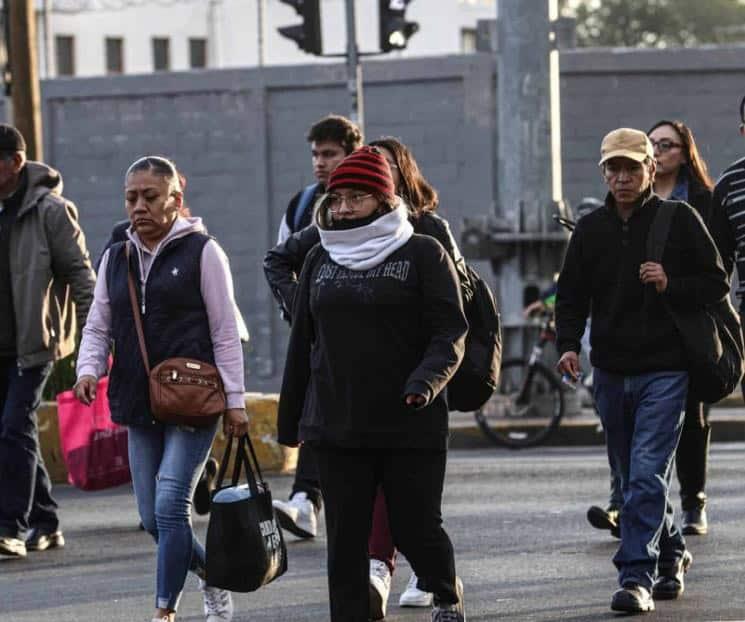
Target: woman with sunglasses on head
pixel 377 331
pixel 682 175
pixel 282 266
pixel 186 298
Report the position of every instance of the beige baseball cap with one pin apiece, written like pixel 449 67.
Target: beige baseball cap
pixel 626 143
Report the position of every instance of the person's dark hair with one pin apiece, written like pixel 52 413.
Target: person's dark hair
pixel 416 190
pixel 742 109
pixel 337 129
pixel 158 165
pixel 696 164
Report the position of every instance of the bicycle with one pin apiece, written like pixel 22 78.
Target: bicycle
pixel 528 404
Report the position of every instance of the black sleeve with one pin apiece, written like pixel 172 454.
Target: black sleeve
pixel 437 227
pixel 297 365
pixel 444 319
pixel 572 296
pixel 283 263
pixel 709 282
pixel 721 229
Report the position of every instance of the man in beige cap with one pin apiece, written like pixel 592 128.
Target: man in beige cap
pixel 640 376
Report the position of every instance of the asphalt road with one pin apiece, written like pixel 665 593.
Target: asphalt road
pixel 517 521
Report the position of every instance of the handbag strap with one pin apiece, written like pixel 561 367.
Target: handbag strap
pixel 241 460
pixel 136 311
pixel 659 231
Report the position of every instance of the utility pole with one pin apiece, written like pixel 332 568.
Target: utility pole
pixel 25 72
pixel 354 70
pixel 260 13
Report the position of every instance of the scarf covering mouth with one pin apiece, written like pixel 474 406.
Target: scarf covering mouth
pixel 365 247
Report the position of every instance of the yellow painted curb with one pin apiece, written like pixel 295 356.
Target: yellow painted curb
pixel 261 407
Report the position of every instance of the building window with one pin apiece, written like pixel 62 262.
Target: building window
pixel 467 40
pixel 197 53
pixel 161 54
pixel 64 46
pixel 114 55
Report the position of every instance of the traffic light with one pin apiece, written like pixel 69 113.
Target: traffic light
pixel 395 31
pixel 308 34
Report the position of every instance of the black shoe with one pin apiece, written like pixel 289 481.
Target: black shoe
pixel 205 486
pixel 669 584
pixel 451 613
pixel 695 522
pixel 39 540
pixel 632 598
pixel 605 519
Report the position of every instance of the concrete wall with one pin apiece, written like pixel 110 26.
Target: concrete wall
pixel 239 136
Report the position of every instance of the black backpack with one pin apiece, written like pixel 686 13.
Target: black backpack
pixel 712 336
pixel 478 375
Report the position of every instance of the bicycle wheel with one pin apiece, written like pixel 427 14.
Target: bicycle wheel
pixel 526 407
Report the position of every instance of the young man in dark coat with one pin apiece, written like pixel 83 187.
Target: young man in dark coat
pixel 331 139
pixel 640 371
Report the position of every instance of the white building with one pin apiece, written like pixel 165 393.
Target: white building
pixel 98 37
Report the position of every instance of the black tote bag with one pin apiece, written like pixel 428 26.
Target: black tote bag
pixel 245 548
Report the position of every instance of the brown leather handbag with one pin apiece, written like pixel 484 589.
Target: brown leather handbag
pixel 183 391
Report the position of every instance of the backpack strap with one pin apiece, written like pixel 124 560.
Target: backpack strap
pixel 302 205
pixel 659 231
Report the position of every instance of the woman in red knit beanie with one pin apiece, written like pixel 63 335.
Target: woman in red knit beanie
pixel 378 330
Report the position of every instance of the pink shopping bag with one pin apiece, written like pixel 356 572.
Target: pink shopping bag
pixel 93 447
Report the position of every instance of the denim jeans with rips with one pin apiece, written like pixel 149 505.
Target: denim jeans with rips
pixel 643 416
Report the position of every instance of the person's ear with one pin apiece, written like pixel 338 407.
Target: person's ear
pixel 742 129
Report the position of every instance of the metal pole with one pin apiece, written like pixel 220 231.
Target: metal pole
pixel 260 13
pixel 25 90
pixel 354 70
pixel 48 56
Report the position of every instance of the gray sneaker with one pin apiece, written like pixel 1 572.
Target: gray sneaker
pixel 451 613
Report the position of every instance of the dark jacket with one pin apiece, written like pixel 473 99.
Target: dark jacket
pixel 632 332
pixel 52 279
pixel 283 263
pixel 727 220
pixel 118 234
pixel 362 340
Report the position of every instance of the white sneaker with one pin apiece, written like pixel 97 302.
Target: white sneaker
pixel 413 596
pixel 380 587
pixel 218 604
pixel 298 515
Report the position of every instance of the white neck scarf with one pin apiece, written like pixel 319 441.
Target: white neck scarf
pixel 365 247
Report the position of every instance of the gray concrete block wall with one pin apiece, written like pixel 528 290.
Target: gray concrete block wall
pixel 239 136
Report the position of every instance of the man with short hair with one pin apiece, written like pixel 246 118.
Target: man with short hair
pixel 331 139
pixel 46 288
pixel 639 365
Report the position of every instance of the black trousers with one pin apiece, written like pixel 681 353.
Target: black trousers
pixel 412 482
pixel 307 479
pixel 692 455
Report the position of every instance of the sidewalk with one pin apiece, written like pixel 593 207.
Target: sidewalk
pixel 727 420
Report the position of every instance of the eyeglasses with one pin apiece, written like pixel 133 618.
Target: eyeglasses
pixel 664 145
pixel 353 201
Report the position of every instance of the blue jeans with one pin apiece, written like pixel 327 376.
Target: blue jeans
pixel 26 490
pixel 643 416
pixel 166 462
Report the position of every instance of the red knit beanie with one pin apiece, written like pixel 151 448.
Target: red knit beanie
pixel 366 169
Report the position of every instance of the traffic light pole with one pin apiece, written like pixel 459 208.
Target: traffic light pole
pixel 354 70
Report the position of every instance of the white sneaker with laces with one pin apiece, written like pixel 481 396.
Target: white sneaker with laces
pixel 380 587
pixel 218 604
pixel 413 596
pixel 298 515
